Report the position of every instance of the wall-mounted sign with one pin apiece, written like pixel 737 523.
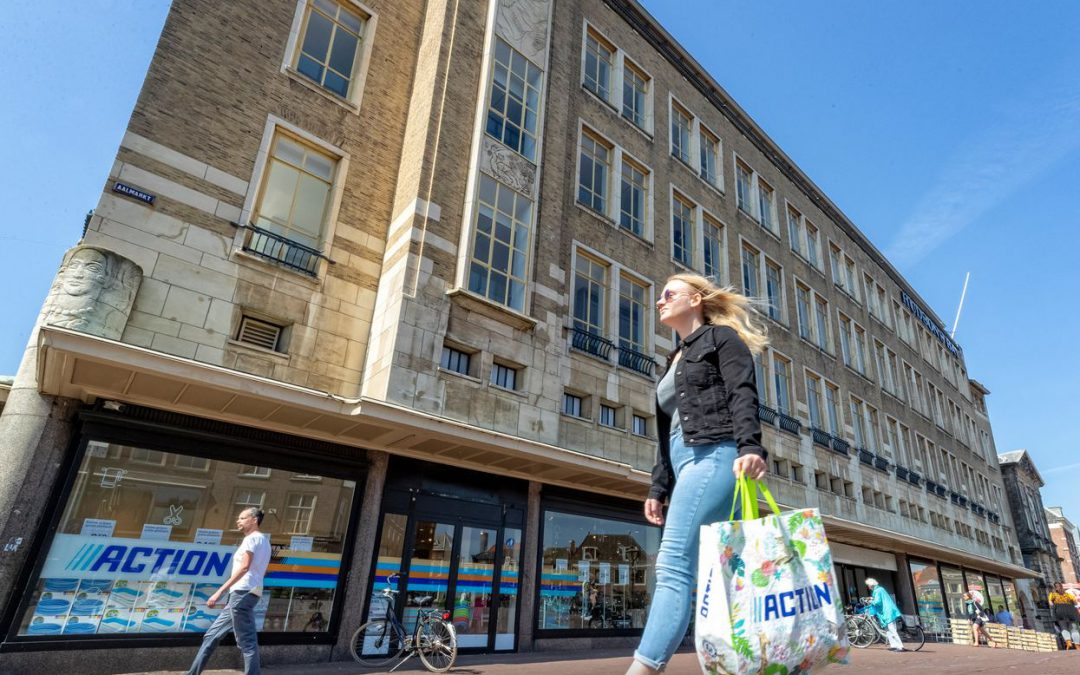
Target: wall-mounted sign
pixel 134 193
pixel 930 324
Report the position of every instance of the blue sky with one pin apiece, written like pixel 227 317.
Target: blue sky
pixel 948 132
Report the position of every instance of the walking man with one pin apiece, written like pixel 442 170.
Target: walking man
pixel 242 590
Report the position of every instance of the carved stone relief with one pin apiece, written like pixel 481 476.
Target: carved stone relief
pixel 524 25
pixel 93 292
pixel 508 167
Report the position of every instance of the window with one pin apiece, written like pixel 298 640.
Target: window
pixel 761 377
pixel 821 322
pixel 843 271
pixel 593 172
pixel 714 248
pixel 294 201
pixel 250 471
pixel 144 456
pixel 782 379
pixel 845 341
pixel 299 508
pixel 859 346
pixel 607 416
pixel 767 206
pixel 504 376
pixel 821 480
pixel 774 289
pixel 812 254
pixel 796 472
pixel 514 105
pixel 858 423
pixel 330 47
pixel 795 229
pixel 710 158
pixel 682 230
pixel 634 201
pixel 681 123
pixel 598 60
pixel 455 360
pixel 853 344
pixel 635 95
pixel 814 389
pixel 743 186
pixel 501 244
pixel 195 517
pixel 832 411
pixel 590 294
pixel 751 262
pixel 572 405
pixel 802 310
pixel 260 333
pixel 633 314
pixel 640 426
pixel 803 236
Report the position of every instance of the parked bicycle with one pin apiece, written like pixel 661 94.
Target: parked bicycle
pixel 380 642
pixel 864 630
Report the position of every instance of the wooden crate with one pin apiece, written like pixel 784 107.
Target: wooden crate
pixel 1047 642
pixel 1015 641
pixel 961 631
pixel 998 634
pixel 1029 639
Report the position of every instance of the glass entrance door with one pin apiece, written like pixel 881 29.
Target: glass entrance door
pixel 430 562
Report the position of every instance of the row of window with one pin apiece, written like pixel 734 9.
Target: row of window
pixel 608 414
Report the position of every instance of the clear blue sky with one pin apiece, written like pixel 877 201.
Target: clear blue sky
pixel 949 132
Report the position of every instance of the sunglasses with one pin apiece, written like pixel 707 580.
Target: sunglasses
pixel 668 294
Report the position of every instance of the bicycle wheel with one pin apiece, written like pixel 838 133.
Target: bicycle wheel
pixel 436 643
pixel 376 644
pixel 912 637
pixel 865 633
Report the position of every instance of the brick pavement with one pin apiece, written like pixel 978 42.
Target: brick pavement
pixel 932 659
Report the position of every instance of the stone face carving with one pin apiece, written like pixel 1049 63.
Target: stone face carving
pixel 524 24
pixel 93 292
pixel 508 167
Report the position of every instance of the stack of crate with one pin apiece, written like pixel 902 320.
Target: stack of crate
pixel 961 631
pixel 1029 639
pixel 998 634
pixel 1014 637
pixel 1047 642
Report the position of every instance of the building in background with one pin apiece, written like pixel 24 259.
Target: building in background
pixel 1067 540
pixel 387 270
pixel 1022 485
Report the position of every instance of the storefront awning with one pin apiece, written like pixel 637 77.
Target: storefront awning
pixel 863 535
pixel 84 367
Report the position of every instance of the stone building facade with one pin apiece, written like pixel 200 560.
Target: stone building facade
pixel 396 266
pixel 1064 535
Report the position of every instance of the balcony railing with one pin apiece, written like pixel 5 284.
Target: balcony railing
pixel 880 463
pixel 821 437
pixel 766 414
pixel 865 456
pixel 282 250
pixel 940 491
pixel 789 424
pixel 636 361
pixel 840 445
pixel 914 478
pixel 591 343
pixel 901 472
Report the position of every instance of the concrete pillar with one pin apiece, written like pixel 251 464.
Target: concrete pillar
pixel 529 574
pixel 359 575
pixel 35 433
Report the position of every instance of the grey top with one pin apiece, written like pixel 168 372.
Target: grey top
pixel 665 395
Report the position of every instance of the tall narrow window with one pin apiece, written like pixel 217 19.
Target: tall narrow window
pixel 774 290
pixel 633 313
pixel 859 347
pixel 832 411
pixel 634 201
pixel 767 206
pixel 714 255
pixel 295 197
pixel 743 184
pixel 598 59
pixel 845 341
pixel 330 46
pixel 794 227
pixel 635 95
pixel 590 294
pixel 514 105
pixel 761 376
pixel 813 400
pixel 682 231
pixel 802 310
pixel 835 266
pixel 501 244
pixel 857 423
pixel 680 134
pixel 593 172
pixel 710 155
pixel 821 321
pixel 751 264
pixel 812 245
pixel 782 378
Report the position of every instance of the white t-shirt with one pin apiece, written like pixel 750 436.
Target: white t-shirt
pixel 258 545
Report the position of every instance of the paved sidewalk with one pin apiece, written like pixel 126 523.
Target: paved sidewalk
pixel 932 659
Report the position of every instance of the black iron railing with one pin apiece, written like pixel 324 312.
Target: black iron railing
pixel 880 463
pixel 282 250
pixel 789 424
pixel 865 456
pixel 766 414
pixel 636 361
pixel 914 478
pixel 901 472
pixel 941 491
pixel 591 343
pixel 840 445
pixel 821 437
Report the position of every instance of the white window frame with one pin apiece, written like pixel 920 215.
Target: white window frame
pixel 610 311
pixel 755 198
pixel 619 65
pixel 612 212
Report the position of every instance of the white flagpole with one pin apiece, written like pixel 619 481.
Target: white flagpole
pixel 962 294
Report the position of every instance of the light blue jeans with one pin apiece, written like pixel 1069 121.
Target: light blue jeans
pixel 704 488
pixel 238 617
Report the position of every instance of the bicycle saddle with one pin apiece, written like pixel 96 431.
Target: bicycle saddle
pixel 424 601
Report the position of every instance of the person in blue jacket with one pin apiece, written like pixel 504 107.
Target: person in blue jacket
pixel 883 607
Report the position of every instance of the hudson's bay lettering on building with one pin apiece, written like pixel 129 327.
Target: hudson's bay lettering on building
pixel 79 556
pixel 930 324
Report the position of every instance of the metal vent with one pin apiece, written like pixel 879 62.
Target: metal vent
pixel 259 333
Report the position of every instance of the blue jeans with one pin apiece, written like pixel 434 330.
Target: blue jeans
pixel 704 488
pixel 238 617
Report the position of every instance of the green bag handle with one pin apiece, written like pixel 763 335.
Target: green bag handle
pixel 746 490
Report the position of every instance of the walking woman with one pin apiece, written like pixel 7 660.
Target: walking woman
pixel 977 617
pixel 708 430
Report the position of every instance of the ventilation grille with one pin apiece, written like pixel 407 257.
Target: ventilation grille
pixel 259 333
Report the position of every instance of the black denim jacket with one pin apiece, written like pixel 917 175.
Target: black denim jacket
pixel 716 391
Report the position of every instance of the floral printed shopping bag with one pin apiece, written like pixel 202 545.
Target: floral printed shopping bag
pixel 767 600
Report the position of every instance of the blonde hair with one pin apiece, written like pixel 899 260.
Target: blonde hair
pixel 724 306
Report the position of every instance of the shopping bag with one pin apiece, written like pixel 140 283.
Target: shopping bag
pixel 768 602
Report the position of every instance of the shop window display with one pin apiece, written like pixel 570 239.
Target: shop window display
pixel 146 537
pixel 597 572
pixel 928 597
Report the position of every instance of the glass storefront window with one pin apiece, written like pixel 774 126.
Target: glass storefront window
pixel 597 572
pixel 146 536
pixel 954 589
pixel 1014 604
pixel 928 597
pixel 994 594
